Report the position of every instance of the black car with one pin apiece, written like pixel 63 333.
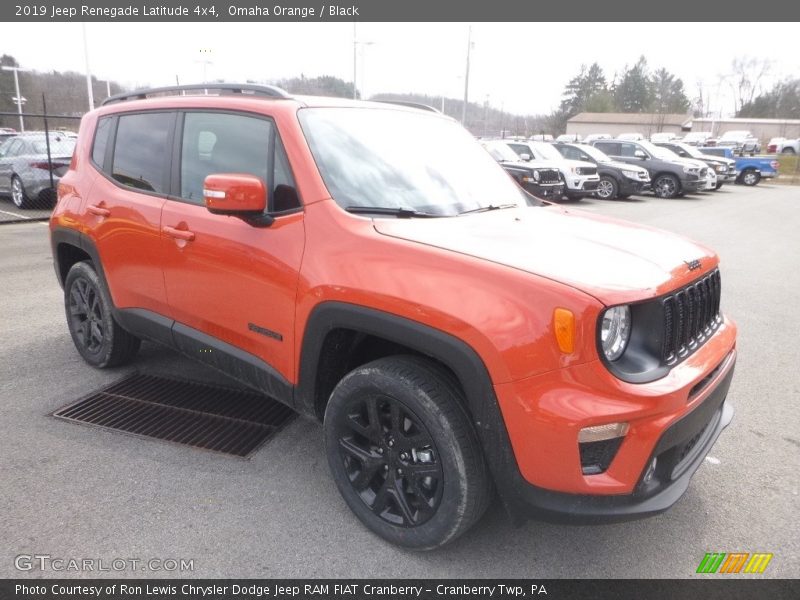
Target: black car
pixel 725 168
pixel 617 179
pixel 671 175
pixel 536 177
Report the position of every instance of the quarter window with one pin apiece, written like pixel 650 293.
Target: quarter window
pixel 141 152
pixel 101 141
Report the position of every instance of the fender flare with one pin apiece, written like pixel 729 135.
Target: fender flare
pixel 461 358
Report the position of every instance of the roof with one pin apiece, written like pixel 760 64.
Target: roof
pixel 630 118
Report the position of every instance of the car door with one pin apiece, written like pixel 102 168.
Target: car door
pixel 8 153
pixel 123 207
pixel 226 278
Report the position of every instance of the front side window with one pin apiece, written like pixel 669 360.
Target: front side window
pixel 217 143
pixel 397 159
pixel 141 152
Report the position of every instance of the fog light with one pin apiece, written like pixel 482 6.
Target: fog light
pixel 598 433
pixel 598 445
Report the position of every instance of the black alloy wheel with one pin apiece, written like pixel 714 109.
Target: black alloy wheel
pixel 391 460
pixel 85 314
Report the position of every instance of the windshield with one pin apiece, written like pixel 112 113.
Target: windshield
pixel 658 151
pixel 690 150
pixel 501 151
pixel 547 150
pixel 596 154
pixel 388 158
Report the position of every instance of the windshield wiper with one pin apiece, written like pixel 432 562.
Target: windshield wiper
pixel 488 208
pixel 389 210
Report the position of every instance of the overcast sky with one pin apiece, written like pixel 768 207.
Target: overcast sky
pixel 522 67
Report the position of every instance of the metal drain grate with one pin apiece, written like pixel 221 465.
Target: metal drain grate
pixel 196 414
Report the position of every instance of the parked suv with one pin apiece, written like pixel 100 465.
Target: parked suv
pixel 617 179
pixel 725 168
pixel 671 176
pixel 580 176
pixel 453 334
pixel 542 178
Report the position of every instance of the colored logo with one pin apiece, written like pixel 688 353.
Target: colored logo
pixel 734 562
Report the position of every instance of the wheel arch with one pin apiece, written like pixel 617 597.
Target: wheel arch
pixel 346 322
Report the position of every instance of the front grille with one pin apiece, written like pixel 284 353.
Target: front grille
pixel 549 176
pixel 690 316
pixel 587 170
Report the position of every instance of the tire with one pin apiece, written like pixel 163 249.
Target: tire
pixel 97 336
pixel 607 189
pixel 666 186
pixel 719 185
pixel 18 195
pixel 750 177
pixel 404 454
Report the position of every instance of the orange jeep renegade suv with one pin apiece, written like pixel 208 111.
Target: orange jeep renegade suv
pixel 371 266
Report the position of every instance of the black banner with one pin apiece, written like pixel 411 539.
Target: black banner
pixel 397 10
pixel 408 589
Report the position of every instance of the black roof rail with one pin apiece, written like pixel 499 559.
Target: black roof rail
pixel 269 91
pixel 418 105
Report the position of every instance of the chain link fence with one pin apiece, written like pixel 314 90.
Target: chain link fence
pixel 35 151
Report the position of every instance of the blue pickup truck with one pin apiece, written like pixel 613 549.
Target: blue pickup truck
pixel 750 169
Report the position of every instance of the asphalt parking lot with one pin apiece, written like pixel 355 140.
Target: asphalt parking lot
pixel 77 492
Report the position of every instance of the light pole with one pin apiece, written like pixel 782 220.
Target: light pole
pixel 356 43
pixel 466 78
pixel 88 72
pixel 18 99
pixel 205 61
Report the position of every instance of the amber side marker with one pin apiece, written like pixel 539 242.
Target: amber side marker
pixel 227 420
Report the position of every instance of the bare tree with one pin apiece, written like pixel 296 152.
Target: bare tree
pixel 746 77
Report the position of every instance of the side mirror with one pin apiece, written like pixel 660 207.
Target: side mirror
pixel 235 194
pixel 640 155
pixel 525 156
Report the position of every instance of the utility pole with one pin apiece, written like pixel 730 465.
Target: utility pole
pixel 18 99
pixel 466 78
pixel 88 72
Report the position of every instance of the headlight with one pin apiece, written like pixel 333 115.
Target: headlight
pixel 631 174
pixel 688 169
pixel 615 331
pixel 536 176
pixel 721 168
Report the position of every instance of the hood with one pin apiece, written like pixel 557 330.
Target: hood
pixel 569 163
pixel 614 261
pixel 532 164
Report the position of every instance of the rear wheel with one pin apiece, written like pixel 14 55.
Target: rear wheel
pixel 18 195
pixel 750 177
pixel 97 336
pixel 404 454
pixel 666 186
pixel 607 189
pixel 788 150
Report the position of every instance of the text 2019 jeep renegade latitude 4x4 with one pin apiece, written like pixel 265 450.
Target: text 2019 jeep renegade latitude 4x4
pixel 454 334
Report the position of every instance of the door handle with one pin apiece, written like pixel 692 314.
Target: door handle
pixel 180 234
pixel 98 210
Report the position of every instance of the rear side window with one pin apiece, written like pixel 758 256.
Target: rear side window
pixel 610 148
pixel 141 151
pixel 101 141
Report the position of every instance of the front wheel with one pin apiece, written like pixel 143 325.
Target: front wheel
pixel 607 189
pixel 666 186
pixel 404 454
pixel 750 177
pixel 97 336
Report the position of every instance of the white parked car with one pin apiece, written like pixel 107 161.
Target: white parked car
pixel 789 147
pixel 742 142
pixel 697 138
pixel 581 177
pixel 569 137
pixel 630 137
pixel 597 136
pixel 663 137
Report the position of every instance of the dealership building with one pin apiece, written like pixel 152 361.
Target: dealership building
pixel 649 123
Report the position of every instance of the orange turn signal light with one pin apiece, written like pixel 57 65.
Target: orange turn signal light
pixel 564 328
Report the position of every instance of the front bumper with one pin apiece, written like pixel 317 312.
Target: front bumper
pixel 581 188
pixel 629 186
pixel 675 420
pixel 548 191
